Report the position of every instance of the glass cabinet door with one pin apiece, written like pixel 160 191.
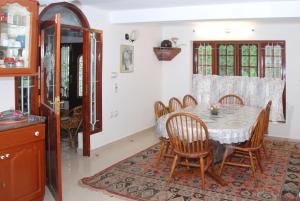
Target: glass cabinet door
pixel 15 27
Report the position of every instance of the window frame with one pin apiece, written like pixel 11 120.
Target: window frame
pixel 260 54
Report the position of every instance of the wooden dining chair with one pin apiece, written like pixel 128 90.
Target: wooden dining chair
pixel 160 109
pixel 189 138
pixel 174 104
pixel 266 126
pixel 189 100
pixel 248 151
pixel 231 99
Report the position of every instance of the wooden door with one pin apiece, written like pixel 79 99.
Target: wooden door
pixel 92 87
pixel 50 102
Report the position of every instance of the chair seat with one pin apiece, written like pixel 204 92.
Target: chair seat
pixel 195 154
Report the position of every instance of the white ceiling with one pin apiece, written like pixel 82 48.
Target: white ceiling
pixel 113 5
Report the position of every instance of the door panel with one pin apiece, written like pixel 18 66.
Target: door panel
pixel 50 102
pixel 92 90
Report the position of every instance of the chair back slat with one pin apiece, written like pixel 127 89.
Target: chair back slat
pixel 189 100
pixel 160 109
pixel 174 104
pixel 231 99
pixel 258 129
pixel 268 110
pixel 187 133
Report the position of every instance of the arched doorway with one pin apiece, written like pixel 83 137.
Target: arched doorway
pixel 71 53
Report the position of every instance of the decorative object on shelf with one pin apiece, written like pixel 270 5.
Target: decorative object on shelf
pixel 174 40
pixel 166 43
pixel 131 37
pixel 127 59
pixel 214 109
pixel 166 54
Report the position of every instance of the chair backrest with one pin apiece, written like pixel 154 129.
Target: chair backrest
pixel 189 100
pixel 174 104
pixel 160 109
pixel 187 133
pixel 258 129
pixel 268 110
pixel 231 99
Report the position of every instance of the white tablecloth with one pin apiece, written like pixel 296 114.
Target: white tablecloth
pixel 233 124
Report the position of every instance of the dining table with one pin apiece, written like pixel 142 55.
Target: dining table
pixel 233 124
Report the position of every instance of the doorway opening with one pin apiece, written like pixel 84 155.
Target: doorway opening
pixel 71 87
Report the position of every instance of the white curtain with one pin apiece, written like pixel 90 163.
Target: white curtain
pixel 254 91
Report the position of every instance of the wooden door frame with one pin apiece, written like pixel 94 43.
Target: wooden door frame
pixel 85 45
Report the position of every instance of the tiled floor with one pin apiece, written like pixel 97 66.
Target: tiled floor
pixel 75 166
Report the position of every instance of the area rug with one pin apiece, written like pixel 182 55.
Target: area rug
pixel 138 178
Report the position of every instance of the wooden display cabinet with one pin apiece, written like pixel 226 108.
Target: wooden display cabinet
pixel 18 37
pixel 22 163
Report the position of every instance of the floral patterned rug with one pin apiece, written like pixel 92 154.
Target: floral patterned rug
pixel 138 178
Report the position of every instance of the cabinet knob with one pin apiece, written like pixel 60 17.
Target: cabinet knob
pixel 7 155
pixel 36 133
pixel 2 157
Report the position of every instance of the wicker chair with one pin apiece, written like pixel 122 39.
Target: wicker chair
pixel 71 124
pixel 189 138
pixel 231 99
pixel 268 110
pixel 174 104
pixel 189 100
pixel 249 150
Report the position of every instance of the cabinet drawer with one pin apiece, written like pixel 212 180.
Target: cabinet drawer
pixel 21 136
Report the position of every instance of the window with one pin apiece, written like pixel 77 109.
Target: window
pixel 226 59
pixel 205 59
pixel 80 76
pixel 273 60
pixel 248 61
pixel 240 58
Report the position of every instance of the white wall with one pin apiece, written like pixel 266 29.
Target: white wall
pixel 7 91
pixel 137 91
pixel 177 74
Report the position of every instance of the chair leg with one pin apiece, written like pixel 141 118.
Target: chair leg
pixel 167 145
pixel 258 159
pixel 252 164
pixel 161 151
pixel 173 167
pixel 265 148
pixel 212 161
pixel 223 162
pixel 202 172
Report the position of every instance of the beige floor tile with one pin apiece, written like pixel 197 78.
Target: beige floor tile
pixel 75 166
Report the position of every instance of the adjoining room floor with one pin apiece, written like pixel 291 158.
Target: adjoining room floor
pixel 75 166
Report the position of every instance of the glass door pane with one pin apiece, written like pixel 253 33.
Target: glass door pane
pixel 49 66
pixel 15 26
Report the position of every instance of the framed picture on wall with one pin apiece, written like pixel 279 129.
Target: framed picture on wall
pixel 127 58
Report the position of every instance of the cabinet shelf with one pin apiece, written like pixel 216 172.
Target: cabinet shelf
pixel 166 53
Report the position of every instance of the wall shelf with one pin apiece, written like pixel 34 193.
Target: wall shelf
pixel 166 53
